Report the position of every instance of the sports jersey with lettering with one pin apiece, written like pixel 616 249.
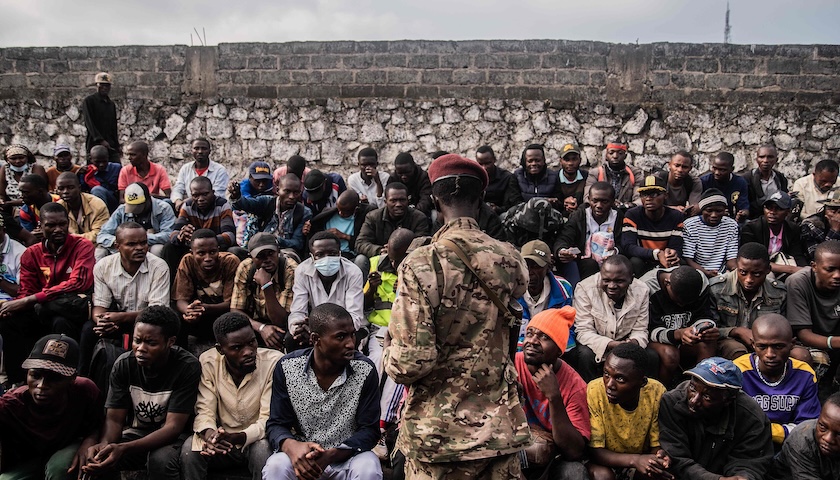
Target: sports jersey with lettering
pixel 789 403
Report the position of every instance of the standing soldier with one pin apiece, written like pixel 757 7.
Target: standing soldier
pixel 452 342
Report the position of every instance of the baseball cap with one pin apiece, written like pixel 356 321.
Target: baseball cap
pixel 833 198
pixel 102 77
pixel 538 251
pixel 262 241
pixel 719 373
pixel 57 353
pixel 653 183
pixel 61 149
pixel 781 199
pixel 569 148
pixel 260 171
pixel 314 185
pixel 135 196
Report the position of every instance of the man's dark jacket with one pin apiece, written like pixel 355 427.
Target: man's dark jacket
pixel 756 194
pixel 379 226
pixel 759 231
pixel 319 222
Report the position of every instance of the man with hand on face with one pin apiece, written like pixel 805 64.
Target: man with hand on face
pixel 502 191
pixel 203 285
pixel 683 189
pixel 624 408
pixel 625 179
pixel 823 225
pixel 734 188
pixel 381 223
pixel 56 277
pixel 711 429
pixel 817 186
pixel 740 296
pixel 123 286
pixel 812 450
pixel 87 213
pixel 262 289
pixel 151 399
pixel 555 398
pixel 764 181
pixel 324 277
pixel 652 235
pixel 369 182
pixel 101 177
pixel 234 399
pixel 283 216
pixel 324 416
pixel 784 387
pixel 201 166
pixel 47 425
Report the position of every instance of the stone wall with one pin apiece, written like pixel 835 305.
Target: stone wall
pixel 326 100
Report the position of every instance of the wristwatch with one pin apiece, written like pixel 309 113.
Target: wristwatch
pixel 656 253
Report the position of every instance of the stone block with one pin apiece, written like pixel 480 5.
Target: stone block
pixel 424 61
pixel 340 47
pixel 723 80
pixel 73 53
pixel 272 77
pixel 453 91
pixel 262 62
pixel 399 77
pixel 356 91
pixel 357 61
pixel 702 64
pixel 538 77
pixel 455 60
pixel 488 92
pixel 504 77
pixel 308 47
pixel 171 64
pixel 27 66
pixel 293 62
pixel 390 60
pixel 472 46
pixel 389 91
pixel 540 46
pixel 325 61
pixel 572 77
pixel 489 60
pixel 371 76
pixel 305 77
pixel 738 65
pixel 266 91
pixel 523 61
pixel 828 51
pixel 336 77
pixel 232 62
pixel 523 92
pixel 435 77
pixel 12 80
pixel 759 81
pixel 785 66
pixel 469 77
pixel 688 80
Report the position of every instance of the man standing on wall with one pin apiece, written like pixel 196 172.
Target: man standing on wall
pixel 474 425
pixel 100 116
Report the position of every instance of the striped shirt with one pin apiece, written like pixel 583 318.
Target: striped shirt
pixel 640 235
pixel 219 219
pixel 149 286
pixel 791 402
pixel 710 246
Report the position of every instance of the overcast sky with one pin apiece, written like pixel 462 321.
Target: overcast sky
pixel 165 22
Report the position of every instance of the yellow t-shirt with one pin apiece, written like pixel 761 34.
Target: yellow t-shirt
pixel 618 430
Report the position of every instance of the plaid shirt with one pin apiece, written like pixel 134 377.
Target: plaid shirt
pixel 253 303
pixel 815 230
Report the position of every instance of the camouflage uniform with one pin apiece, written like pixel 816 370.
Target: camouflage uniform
pixel 450 346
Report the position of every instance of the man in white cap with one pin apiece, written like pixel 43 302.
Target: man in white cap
pixel 63 163
pixel 155 215
pixel 100 116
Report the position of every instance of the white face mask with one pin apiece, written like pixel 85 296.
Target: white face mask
pixel 328 266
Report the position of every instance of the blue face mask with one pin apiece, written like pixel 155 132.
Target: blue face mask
pixel 20 169
pixel 328 266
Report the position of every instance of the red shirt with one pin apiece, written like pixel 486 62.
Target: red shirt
pixel 157 180
pixel 28 432
pixel 47 276
pixel 572 389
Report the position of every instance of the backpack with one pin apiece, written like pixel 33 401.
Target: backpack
pixel 105 354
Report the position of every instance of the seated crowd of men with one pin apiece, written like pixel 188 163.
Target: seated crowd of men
pixel 673 326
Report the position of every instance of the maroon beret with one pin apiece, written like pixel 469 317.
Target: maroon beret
pixel 452 165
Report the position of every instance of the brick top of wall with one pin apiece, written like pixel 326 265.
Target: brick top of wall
pixel 556 70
